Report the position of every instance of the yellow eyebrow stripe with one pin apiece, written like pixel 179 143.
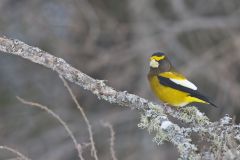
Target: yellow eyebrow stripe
pixel 157 58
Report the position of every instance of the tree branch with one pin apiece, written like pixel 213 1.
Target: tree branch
pixel 154 117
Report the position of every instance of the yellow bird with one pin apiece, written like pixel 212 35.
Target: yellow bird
pixel 170 86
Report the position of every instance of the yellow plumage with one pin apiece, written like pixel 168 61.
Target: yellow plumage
pixel 170 86
pixel 171 96
pixel 172 74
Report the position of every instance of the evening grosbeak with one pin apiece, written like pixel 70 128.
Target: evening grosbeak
pixel 170 86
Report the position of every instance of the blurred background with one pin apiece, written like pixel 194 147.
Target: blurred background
pixel 112 40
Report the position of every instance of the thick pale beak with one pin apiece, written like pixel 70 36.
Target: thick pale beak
pixel 154 63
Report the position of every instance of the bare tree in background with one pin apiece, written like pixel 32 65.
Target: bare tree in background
pixel 223 136
pixel 112 40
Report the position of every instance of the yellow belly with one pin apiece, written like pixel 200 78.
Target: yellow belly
pixel 171 96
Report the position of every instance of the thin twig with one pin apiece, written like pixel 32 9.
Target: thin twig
pixel 20 155
pixel 112 139
pixel 93 149
pixel 49 111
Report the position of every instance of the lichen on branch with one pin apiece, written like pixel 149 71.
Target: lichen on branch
pixel 223 135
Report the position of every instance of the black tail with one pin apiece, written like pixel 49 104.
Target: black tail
pixel 214 105
pixel 202 97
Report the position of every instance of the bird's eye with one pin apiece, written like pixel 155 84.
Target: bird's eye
pixel 164 65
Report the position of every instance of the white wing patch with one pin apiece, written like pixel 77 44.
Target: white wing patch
pixel 184 83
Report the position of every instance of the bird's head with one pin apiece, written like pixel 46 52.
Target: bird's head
pixel 159 62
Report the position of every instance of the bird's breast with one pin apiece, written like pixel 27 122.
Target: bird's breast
pixel 166 94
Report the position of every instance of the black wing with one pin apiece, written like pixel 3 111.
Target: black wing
pixel 194 93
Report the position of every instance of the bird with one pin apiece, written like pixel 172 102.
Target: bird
pixel 170 86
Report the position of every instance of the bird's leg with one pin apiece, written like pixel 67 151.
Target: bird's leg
pixel 181 109
pixel 165 104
